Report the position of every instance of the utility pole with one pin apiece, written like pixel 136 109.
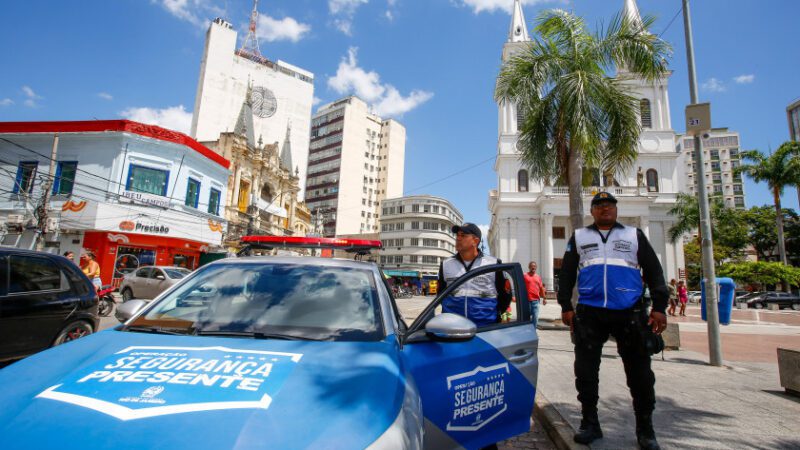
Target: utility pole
pixel 47 186
pixel 712 313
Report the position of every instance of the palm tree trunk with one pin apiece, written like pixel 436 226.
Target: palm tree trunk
pixel 779 220
pixel 574 181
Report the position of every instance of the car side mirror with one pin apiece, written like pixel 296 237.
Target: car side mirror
pixel 451 327
pixel 129 309
pixel 160 277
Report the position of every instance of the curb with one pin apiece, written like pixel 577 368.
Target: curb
pixel 555 425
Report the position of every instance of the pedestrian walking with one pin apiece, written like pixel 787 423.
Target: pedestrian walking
pixel 481 299
pixel 70 256
pixel 673 296
pixel 605 259
pixel 683 297
pixel 91 268
pixel 536 291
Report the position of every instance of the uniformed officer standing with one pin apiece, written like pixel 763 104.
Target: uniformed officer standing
pixel 606 258
pixel 482 298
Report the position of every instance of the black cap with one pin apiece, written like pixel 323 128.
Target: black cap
pixel 603 196
pixel 467 228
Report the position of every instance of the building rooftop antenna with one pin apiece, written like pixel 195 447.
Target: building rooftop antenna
pixel 250 43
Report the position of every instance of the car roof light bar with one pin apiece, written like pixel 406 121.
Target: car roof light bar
pixel 359 246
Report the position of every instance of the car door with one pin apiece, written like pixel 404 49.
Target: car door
pixel 158 283
pixel 37 302
pixel 477 391
pixel 139 282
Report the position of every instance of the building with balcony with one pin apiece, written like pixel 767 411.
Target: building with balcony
pixel 262 189
pixel 793 117
pixel 416 235
pixel 720 157
pixel 356 160
pixel 132 193
pixel 530 219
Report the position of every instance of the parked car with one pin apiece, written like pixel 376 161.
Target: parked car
pixel 783 299
pixel 148 282
pixel 45 300
pixel 694 296
pixel 282 353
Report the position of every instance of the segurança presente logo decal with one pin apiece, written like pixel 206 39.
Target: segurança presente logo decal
pixel 147 381
pixel 478 397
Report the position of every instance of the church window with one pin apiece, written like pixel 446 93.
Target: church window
pixel 652 180
pixel 559 233
pixel 644 110
pixel 522 180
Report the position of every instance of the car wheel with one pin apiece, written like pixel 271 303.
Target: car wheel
pixel 759 305
pixel 127 294
pixel 796 306
pixel 74 330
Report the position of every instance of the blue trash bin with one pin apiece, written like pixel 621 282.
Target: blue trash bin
pixel 727 292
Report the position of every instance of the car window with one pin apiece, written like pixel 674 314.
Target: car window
pixel 143 273
pixel 3 274
pixel 34 273
pixel 176 274
pixel 298 300
pixel 155 273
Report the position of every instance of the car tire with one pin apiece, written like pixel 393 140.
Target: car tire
pixel 758 305
pixel 796 306
pixel 74 330
pixel 127 294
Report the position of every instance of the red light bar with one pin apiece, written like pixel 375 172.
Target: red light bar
pixel 310 242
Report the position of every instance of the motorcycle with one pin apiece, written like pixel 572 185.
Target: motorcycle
pixel 106 303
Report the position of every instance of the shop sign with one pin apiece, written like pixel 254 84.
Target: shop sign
pixel 127 225
pixel 147 199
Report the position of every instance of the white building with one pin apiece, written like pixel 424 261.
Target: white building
pixel 416 234
pixel 135 194
pixel 720 157
pixel 356 160
pixel 282 95
pixel 530 221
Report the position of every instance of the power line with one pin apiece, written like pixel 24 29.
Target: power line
pixel 452 175
pixel 670 22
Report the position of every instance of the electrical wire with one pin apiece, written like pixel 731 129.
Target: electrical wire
pixel 670 22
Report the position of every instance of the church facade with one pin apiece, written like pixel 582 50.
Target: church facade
pixel 530 221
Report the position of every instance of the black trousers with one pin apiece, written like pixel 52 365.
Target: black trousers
pixel 592 329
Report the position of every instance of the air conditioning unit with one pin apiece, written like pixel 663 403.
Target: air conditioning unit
pixel 15 219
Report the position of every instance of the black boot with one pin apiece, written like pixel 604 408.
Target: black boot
pixel 645 434
pixel 588 432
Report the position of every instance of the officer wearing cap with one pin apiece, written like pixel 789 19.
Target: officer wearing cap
pixel 480 299
pixel 608 259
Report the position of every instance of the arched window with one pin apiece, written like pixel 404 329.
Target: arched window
pixel 644 111
pixel 522 180
pixel 652 180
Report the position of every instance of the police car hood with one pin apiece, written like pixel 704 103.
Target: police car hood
pixel 132 390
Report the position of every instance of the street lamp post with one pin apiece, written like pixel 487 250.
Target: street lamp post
pixel 712 313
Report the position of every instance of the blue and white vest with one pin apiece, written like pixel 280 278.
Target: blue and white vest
pixel 476 299
pixel 609 275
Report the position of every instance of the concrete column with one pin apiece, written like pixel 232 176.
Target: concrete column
pixel 507 255
pixel 536 242
pixel 644 224
pixel 547 253
pixel 670 265
pixel 237 179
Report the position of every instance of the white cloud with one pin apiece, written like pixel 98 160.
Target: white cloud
pixel 174 117
pixel 713 85
pixel 6 102
pixel 30 102
pixel 344 10
pixel 105 96
pixel 384 98
pixel 479 6
pixel 271 29
pixel 196 12
pixel 744 79
pixel 316 101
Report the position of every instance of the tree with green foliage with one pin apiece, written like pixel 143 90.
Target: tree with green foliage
pixel 778 170
pixel 575 114
pixel 729 227
pixel 761 274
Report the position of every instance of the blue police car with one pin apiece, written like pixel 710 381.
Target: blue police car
pixel 280 353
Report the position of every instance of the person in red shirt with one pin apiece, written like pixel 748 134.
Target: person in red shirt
pixel 536 291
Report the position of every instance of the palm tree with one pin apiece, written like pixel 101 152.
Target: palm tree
pixel 793 147
pixel 575 114
pixel 728 225
pixel 779 171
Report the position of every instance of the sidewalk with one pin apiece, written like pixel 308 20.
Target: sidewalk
pixel 740 405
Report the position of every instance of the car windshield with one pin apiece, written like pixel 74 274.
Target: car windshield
pixel 283 301
pixel 177 274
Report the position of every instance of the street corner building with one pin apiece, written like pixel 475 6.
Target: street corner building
pixel 133 194
pixel 530 220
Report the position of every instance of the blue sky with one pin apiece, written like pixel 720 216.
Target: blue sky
pixel 429 63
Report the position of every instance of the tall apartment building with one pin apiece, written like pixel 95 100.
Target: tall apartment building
pixel 793 116
pixel 416 235
pixel 721 156
pixel 356 160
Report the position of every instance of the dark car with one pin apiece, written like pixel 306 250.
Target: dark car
pixel 782 299
pixel 45 300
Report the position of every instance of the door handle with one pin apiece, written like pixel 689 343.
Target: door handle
pixel 521 356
